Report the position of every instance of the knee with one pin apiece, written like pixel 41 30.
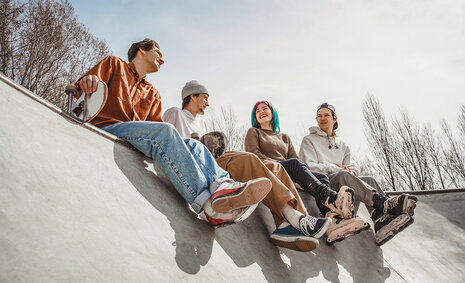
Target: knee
pixel 194 144
pixel 167 131
pixel 345 175
pixel 294 163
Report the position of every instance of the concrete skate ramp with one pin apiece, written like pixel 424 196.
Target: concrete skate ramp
pixel 76 205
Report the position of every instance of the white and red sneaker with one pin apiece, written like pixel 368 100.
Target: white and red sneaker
pixel 232 195
pixel 218 219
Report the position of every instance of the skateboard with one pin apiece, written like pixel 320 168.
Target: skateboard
pixel 87 106
pixel 216 143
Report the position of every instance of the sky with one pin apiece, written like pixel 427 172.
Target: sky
pixel 298 54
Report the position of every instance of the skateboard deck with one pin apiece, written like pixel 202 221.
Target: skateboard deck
pixel 216 143
pixel 87 106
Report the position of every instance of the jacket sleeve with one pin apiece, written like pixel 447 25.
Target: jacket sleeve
pixel 251 144
pixel 308 155
pixel 103 70
pixel 155 110
pixel 346 161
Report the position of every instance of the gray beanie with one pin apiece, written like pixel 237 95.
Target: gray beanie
pixel 193 87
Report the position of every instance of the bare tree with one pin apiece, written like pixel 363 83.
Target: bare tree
pixel 437 159
pixel 380 141
pixel 227 123
pixel 412 155
pixel 455 157
pixel 44 47
pixel 461 123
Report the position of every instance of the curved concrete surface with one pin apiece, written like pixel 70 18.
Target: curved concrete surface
pixel 78 206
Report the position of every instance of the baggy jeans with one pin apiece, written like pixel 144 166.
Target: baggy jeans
pixel 364 187
pixel 188 164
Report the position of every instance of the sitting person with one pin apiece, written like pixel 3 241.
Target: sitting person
pixel 295 228
pixel 265 140
pixel 325 152
pixel 133 113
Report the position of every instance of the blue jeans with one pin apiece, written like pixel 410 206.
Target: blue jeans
pixel 187 163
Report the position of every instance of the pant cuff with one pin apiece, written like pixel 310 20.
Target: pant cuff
pixel 197 205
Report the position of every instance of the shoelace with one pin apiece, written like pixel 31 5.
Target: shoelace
pixel 308 221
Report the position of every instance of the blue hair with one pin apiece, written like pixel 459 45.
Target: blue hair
pixel 274 121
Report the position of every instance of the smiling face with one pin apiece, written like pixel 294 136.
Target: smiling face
pixel 326 120
pixel 200 103
pixel 264 116
pixel 153 59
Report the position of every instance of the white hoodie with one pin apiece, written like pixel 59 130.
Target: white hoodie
pixel 325 154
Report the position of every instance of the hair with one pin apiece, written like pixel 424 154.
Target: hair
pixel 146 44
pixel 187 99
pixel 274 121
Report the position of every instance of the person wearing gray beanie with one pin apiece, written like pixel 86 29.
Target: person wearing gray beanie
pixel 193 87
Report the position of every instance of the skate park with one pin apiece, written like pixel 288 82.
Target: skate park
pixel 79 205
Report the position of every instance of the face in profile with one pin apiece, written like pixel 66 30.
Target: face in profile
pixel 154 58
pixel 200 102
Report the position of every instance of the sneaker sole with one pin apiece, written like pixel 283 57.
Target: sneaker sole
pixel 323 229
pixel 253 193
pixel 346 234
pixel 247 213
pixel 400 224
pixel 300 244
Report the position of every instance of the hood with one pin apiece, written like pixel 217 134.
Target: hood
pixel 332 141
pixel 317 130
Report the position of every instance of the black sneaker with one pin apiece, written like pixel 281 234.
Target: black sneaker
pixel 313 227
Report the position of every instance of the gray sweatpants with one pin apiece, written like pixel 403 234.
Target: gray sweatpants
pixel 364 187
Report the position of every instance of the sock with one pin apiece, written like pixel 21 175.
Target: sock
pixel 292 216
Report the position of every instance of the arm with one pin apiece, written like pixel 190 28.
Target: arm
pixel 252 146
pixel 309 156
pixel 346 162
pixel 155 110
pixel 103 71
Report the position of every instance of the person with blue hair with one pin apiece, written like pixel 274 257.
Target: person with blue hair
pixel 266 141
pixel 295 229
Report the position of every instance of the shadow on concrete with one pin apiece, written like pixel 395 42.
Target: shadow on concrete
pixel 248 243
pixel 193 237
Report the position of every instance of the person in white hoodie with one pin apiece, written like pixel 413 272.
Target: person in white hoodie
pixel 324 151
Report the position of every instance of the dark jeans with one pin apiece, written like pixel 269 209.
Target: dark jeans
pixel 309 181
